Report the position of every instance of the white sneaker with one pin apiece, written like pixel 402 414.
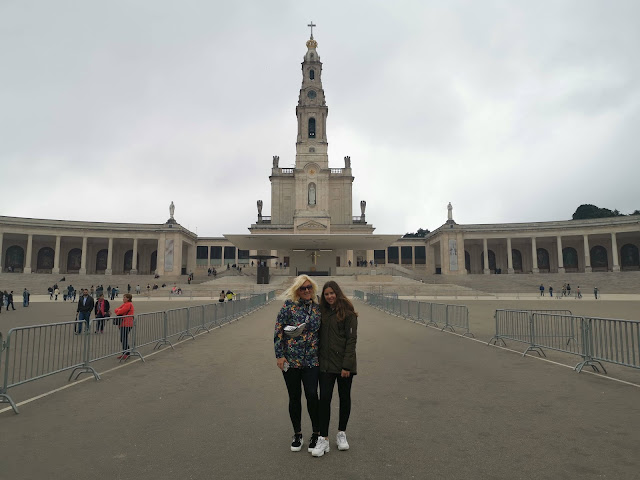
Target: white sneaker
pixel 322 447
pixel 341 440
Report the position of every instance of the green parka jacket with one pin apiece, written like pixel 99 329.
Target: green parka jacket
pixel 338 343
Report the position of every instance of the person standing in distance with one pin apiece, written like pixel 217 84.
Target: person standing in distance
pixel 338 337
pixel 296 347
pixel 85 306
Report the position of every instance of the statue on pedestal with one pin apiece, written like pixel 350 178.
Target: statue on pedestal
pixel 363 206
pixel 276 160
pixel 172 209
pixel 449 212
pixel 259 210
pixel 347 162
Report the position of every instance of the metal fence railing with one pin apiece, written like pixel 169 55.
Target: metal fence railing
pixel 34 352
pixel 449 317
pixel 594 339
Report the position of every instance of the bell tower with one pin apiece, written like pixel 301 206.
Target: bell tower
pixel 311 144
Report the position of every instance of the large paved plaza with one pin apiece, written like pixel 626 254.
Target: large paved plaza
pixel 426 404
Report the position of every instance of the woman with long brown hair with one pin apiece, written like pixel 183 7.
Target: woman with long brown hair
pixel 337 356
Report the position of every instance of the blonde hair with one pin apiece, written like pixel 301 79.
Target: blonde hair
pixel 293 293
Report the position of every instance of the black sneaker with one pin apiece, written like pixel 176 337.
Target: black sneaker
pixel 296 442
pixel 312 442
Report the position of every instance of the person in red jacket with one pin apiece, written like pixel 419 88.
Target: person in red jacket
pixel 126 323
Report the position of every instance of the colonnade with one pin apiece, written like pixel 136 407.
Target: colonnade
pixel 553 253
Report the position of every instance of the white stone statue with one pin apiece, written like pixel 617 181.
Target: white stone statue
pixel 172 209
pixel 259 208
pixel 347 162
pixel 276 159
pixel 312 194
pixel 363 206
pixel 449 212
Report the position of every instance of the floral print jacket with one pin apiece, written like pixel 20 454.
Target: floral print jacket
pixel 300 351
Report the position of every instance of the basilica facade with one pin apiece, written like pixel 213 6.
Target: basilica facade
pixel 312 229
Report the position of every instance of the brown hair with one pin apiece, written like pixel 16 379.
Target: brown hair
pixel 343 305
pixel 128 295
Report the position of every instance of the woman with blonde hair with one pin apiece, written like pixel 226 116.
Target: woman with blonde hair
pixel 296 347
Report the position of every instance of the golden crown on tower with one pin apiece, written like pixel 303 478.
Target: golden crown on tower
pixel 311 43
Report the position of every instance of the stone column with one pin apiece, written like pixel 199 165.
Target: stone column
pixel 83 257
pixel 560 259
pixel 413 256
pixel 534 255
pixel 509 256
pixel 56 257
pixel 462 255
pixel 614 252
pixel 485 252
pixel 209 255
pixel 109 271
pixel 587 254
pixel 27 260
pixel 369 256
pixel 386 256
pixel 349 258
pixel 160 255
pixel 134 259
pixel 1 251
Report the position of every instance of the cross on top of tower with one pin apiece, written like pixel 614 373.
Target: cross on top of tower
pixel 311 25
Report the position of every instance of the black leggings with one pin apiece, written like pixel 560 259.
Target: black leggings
pixel 327 381
pixel 124 338
pixel 295 378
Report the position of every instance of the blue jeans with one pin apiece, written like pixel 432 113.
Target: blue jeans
pixel 83 316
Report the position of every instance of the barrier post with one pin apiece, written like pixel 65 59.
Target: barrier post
pixel 431 322
pixel 4 397
pixel 133 350
pixel 533 347
pixel 165 329
pixel 587 347
pixel 85 367
pixel 187 327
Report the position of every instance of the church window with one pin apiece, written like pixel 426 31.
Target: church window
pixel 312 74
pixel 312 127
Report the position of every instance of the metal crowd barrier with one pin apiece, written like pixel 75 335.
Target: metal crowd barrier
pixel 594 339
pixel 434 314
pixel 359 294
pixel 34 352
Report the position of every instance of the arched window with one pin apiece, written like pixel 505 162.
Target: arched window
pixel 569 257
pixel 14 258
pixel 599 258
pixel 629 258
pixel 45 258
pixel 74 259
pixel 312 74
pixel 312 127
pixel 516 257
pixel 543 259
pixel 101 260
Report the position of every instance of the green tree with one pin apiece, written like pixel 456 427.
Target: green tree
pixel 421 233
pixel 591 211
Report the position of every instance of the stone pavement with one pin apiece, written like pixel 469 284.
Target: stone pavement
pixel 426 404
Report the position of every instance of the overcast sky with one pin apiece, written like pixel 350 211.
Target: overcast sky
pixel 514 111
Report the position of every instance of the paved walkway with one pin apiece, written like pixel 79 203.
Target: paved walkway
pixel 426 404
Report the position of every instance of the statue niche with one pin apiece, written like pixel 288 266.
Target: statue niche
pixel 312 194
